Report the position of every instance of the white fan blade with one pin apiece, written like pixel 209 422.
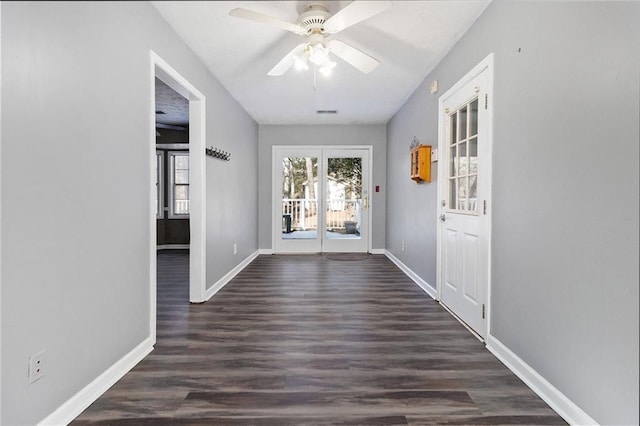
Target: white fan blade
pixel 353 13
pixel 353 56
pixel 265 19
pixel 286 62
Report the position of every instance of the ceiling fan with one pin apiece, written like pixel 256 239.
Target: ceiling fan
pixel 317 24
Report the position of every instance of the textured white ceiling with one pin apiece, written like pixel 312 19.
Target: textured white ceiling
pixel 409 39
pixel 173 106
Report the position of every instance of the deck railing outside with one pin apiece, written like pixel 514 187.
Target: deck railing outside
pixel 181 207
pixel 303 213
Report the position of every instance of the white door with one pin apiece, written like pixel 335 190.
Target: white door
pixel 320 199
pixel 346 200
pixel 464 189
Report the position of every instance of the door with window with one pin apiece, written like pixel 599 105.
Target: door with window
pixel 321 200
pixel 464 188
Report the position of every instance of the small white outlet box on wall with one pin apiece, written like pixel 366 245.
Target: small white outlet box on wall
pixel 37 364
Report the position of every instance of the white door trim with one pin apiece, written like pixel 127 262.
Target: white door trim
pixel 486 65
pixel 274 190
pixel 0 201
pixel 197 182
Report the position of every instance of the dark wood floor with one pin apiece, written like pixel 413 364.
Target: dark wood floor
pixel 296 340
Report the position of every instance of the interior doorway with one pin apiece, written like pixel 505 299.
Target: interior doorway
pixel 172 169
pixel 186 183
pixel 321 199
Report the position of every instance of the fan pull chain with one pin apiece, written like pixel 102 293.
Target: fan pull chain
pixel 315 73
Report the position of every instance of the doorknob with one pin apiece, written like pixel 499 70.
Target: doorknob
pixel 443 217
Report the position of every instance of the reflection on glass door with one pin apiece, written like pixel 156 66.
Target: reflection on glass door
pixel 344 198
pixel 346 221
pixel 299 197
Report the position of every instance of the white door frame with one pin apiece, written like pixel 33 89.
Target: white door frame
pixel 197 184
pixel 0 202
pixel 275 190
pixel 486 65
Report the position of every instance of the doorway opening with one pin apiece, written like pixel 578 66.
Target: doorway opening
pixel 177 203
pixel 320 199
pixel 172 168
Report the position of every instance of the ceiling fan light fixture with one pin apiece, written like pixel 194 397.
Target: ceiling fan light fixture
pixel 300 63
pixel 327 67
pixel 316 23
pixel 318 54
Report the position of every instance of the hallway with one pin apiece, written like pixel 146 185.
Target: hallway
pixel 308 340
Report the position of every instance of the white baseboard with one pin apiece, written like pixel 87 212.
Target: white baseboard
pixel 265 251
pixel 377 251
pixel 208 294
pixel 71 409
pixel 562 405
pixel 174 247
pixel 421 283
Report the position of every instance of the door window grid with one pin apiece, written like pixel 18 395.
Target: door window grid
pixel 463 158
pixel 178 184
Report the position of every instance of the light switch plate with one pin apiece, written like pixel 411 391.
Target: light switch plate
pixel 434 155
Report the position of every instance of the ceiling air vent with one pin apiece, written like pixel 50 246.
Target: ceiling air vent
pixel 327 111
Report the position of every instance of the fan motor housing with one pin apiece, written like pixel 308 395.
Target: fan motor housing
pixel 314 17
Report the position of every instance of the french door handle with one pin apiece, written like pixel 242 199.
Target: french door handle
pixel 443 217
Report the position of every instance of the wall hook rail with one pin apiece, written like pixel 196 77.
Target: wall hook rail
pixel 218 153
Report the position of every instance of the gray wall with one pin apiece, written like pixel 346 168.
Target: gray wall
pixel 565 191
pixel 232 192
pixel 273 135
pixel 75 281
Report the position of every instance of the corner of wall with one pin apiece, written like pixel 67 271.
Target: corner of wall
pixel 218 285
pixel 428 288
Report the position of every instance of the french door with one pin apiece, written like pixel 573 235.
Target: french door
pixel 320 199
pixel 464 232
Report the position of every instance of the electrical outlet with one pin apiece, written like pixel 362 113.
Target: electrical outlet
pixel 37 366
pixel 403 246
pixel 235 249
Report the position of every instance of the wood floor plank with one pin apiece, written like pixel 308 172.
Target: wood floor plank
pixel 306 340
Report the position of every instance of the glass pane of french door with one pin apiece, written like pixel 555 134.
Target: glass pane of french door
pixel 299 197
pixel 346 221
pixel 343 206
pixel 297 181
